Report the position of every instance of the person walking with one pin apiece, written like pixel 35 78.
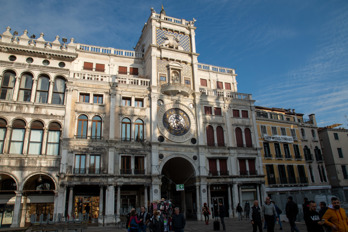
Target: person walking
pixel 256 216
pixel 157 224
pixel 133 223
pixel 291 211
pixel 206 213
pixel 305 209
pixel 144 219
pixel 336 217
pixel 312 218
pixel 239 210
pixel 269 212
pixel 178 221
pixel 323 209
pixel 279 212
pixel 222 213
pixel 246 210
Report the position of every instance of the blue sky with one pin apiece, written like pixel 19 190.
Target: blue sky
pixel 287 54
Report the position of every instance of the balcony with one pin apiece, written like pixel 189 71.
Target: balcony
pixel 173 89
pixel 225 93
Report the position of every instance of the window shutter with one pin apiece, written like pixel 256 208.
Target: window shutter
pixel 219 85
pixel 248 141
pixel 207 110
pixel 100 67
pixel 122 70
pixel 236 113
pixel 88 66
pixel 228 86
pixel 239 137
pixel 204 82
pixel 133 71
pixel 245 114
pixel 217 111
pixel 223 166
pixel 212 166
pixel 220 136
pixel 210 136
pixel 242 167
pixel 252 169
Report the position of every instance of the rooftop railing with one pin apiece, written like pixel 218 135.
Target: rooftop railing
pixel 207 67
pixel 225 93
pixel 111 51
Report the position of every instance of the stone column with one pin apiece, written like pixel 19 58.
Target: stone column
pixel 26 140
pixel 204 195
pixel 70 204
pixel 61 201
pixel 112 115
pixel 17 210
pixel 33 90
pixel 230 209
pixel 6 147
pixel 110 206
pixel 118 204
pixel 24 210
pixel 101 206
pixel 55 205
pixel 50 92
pixel 111 161
pixel 146 197
pixel 44 141
pixel 258 193
pixel 16 88
pixel 235 197
pixel 199 211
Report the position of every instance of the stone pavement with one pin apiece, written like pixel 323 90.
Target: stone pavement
pixel 199 226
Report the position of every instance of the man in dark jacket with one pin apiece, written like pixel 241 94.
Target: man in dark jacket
pixel 178 221
pixel 256 217
pixel 222 215
pixel 312 218
pixel 291 210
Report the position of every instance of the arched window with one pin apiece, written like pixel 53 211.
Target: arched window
pixel 53 139
pixel 317 153
pixel 139 130
pixel 58 91
pixel 248 141
pixel 43 85
pixel 17 137
pixel 96 127
pixel 82 123
pixel 307 153
pixel 3 128
pixel 25 87
pixel 7 85
pixel 126 129
pixel 210 136
pixel 239 137
pixel 220 136
pixel 35 140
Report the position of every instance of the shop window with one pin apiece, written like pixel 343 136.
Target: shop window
pixel 122 70
pixel 220 136
pixel 94 164
pixel 248 141
pixel 97 98
pixel 3 128
pixel 239 137
pixel 208 110
pixel 100 67
pixel 245 114
pixel 17 137
pixel 133 71
pixel 82 127
pixel 126 167
pixel 54 131
pixel 80 164
pixel 88 66
pixel 210 136
pixel 35 139
pixel 219 85
pixel 236 113
pixel 126 129
pixel 7 85
pixel 139 165
pixel 25 87
pixel 204 82
pixel 217 111
pixel 227 86
pixel 139 130
pixel 96 127
pixel 139 102
pixel 126 101
pixel 42 89
pixel 58 91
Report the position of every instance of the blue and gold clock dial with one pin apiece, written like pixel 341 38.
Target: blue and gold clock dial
pixel 176 121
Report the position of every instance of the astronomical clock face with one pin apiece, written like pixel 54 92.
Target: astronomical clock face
pixel 176 121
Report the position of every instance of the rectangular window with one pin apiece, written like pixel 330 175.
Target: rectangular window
pixel 126 165
pixel 139 165
pixel 84 97
pixel 219 85
pixel 139 102
pixel 286 150
pixel 217 111
pixel 252 169
pixel 291 174
pixel 100 67
pixel 263 130
pixel 122 70
pixel 242 167
pixel 223 167
pixel 126 101
pixel 344 171
pixel 340 154
pixel 277 150
pixel 274 130
pixel 261 114
pixel 2 138
pixel 212 167
pixel 35 142
pixel 336 136
pixel 208 110
pixel 266 149
pixel 296 151
pixel 204 82
pixel 270 174
pixel 133 71
pixel 282 174
pixel 80 164
pixel 94 164
pixel 88 66
pixel 17 140
pixel 53 142
pixel 302 174
pixel 236 113
pixel 293 134
pixel 187 81
pixel 283 131
pixel 245 114
pixel 97 99
pixel 163 78
pixel 314 135
pixel 227 86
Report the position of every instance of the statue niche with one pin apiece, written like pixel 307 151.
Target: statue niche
pixel 175 77
pixel 172 41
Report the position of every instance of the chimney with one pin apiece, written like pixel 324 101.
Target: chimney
pixel 312 119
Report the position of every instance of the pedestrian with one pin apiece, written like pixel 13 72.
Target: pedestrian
pixel 323 209
pixel 246 210
pixel 157 224
pixel 305 209
pixel 87 209
pixel 291 211
pixel 239 210
pixel 178 221
pixel 336 217
pixel 269 212
pixel 206 213
pixel 144 218
pixel 133 223
pixel 279 212
pixel 312 218
pixel 256 216
pixel 222 213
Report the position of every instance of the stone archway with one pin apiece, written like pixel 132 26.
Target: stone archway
pixel 179 171
pixel 8 186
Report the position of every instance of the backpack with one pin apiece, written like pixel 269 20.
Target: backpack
pixel 133 223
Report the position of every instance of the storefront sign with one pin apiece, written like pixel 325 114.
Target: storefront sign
pixel 180 187
pixel 279 138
